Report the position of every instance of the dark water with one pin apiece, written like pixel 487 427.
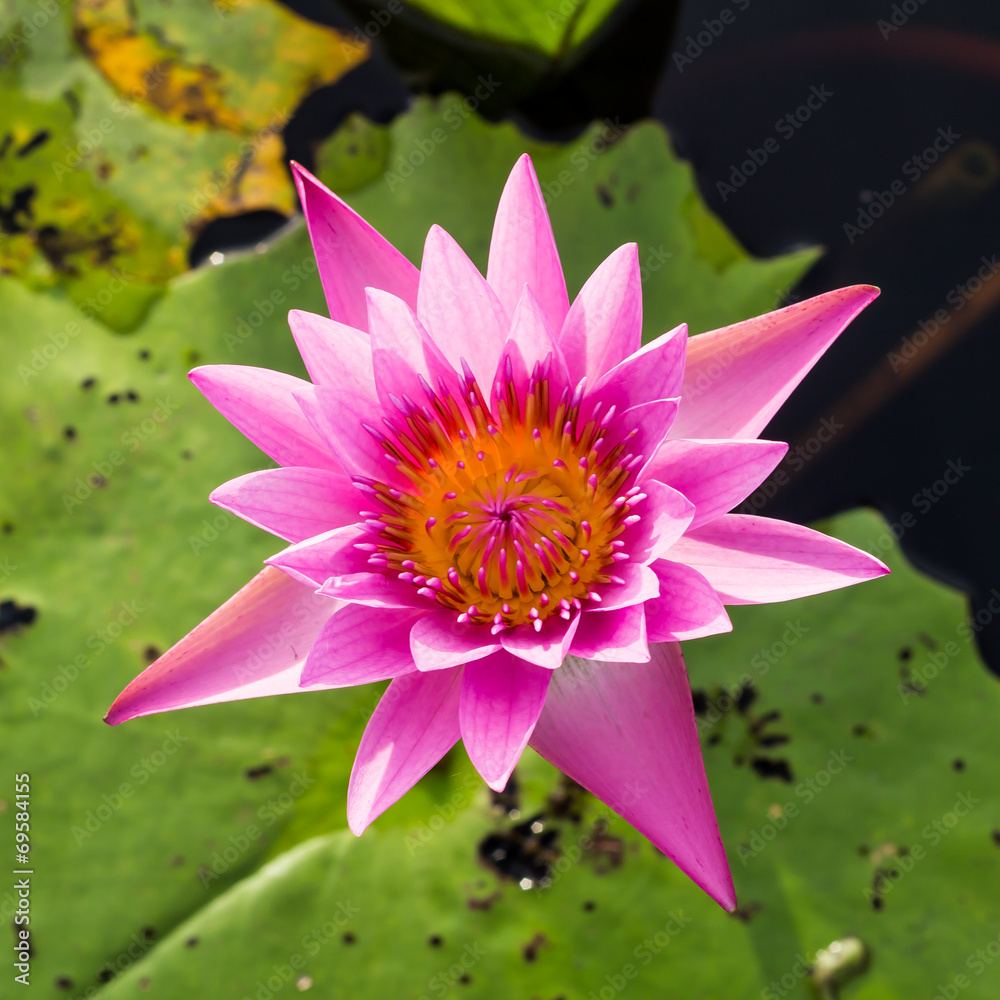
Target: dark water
pixel 870 128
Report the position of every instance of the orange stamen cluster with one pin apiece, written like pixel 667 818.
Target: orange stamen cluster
pixel 515 512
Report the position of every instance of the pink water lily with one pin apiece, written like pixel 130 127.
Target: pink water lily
pixel 506 504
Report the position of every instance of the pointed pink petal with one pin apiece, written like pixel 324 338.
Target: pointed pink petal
pixel 759 560
pixel 644 426
pixel 635 584
pixel 523 249
pixel 414 725
pixel 359 645
pixel 688 606
pixel 615 637
pixel 604 323
pixel 656 371
pixel 459 309
pixel 530 330
pixel 501 699
pixel 334 354
pixel 315 559
pixel 348 424
pixel 664 515
pixel 402 352
pixel 293 503
pixel 544 648
pixel 715 475
pixel 376 591
pixel 254 645
pixel 626 732
pixel 350 254
pixel 261 404
pixel 439 641
pixel 738 376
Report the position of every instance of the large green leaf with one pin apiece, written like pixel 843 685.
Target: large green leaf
pixel 608 187
pixel 876 808
pixel 125 128
pixel 554 29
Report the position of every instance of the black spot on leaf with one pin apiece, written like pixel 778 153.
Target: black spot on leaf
pixel 767 767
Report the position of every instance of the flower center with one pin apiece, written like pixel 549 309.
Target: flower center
pixel 515 510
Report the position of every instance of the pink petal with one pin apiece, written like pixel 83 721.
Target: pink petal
pixel 376 591
pixel 644 426
pixel 334 354
pixel 350 254
pixel 544 648
pixel 402 352
pixel 523 249
pixel 626 732
pixel 261 404
pixel 252 646
pixel 316 558
pixel 414 725
pixel 759 560
pixel 502 697
pixel 637 584
pixel 665 514
pixel 656 371
pixel 359 645
pixel 688 606
pixel 459 309
pixel 530 330
pixel 615 637
pixel 604 323
pixel 294 503
pixel 438 641
pixel 738 376
pixel 715 475
pixel 352 428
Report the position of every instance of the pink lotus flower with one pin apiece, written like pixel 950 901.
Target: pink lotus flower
pixel 506 504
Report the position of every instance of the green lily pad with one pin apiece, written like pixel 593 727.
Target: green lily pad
pixel 453 901
pixel 608 187
pixel 125 129
pixel 554 29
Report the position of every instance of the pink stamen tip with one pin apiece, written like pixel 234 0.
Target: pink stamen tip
pixel 436 583
pixel 544 600
pixel 536 434
pixel 594 596
pixel 460 464
pixel 498 619
pixel 632 519
pixel 405 577
pixel 453 576
pixel 480 455
pixel 585 553
pixel 558 463
pixel 592 482
pixel 481 580
pixel 632 492
pixel 473 610
pixel 537 625
pixel 427 592
pixel 432 463
pixel 463 618
pixel 620 556
pixel 583 463
pixel 498 628
pixel 408 564
pixel 429 523
pixel 565 615
pixel 574 576
pixel 617 544
pixel 533 612
pixel 616 579
pixel 420 580
pixel 564 604
pixel 585 525
pixel 450 496
pixel 366 547
pixel 505 608
pixel 576 603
